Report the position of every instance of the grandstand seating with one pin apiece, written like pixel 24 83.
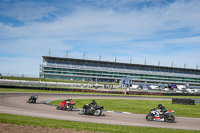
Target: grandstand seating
pixel 120 69
pixel 117 70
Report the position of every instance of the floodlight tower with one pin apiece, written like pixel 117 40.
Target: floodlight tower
pixel 49 52
pixel 100 57
pixel 159 63
pixel 131 60
pixel 83 55
pixel 67 54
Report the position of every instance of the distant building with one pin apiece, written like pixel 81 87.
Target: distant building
pixel 106 71
pixel 0 76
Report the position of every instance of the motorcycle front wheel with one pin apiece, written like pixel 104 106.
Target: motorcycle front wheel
pixel 149 117
pixel 70 108
pixel 170 119
pixel 58 107
pixel 97 112
pixel 31 101
pixel 81 112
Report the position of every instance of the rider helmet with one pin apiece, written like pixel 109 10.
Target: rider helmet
pixel 159 105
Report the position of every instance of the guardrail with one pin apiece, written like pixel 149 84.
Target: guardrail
pixel 185 101
pixel 54 84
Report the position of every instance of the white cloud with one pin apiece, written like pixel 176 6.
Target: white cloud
pixel 146 33
pixel 26 10
pixel 129 26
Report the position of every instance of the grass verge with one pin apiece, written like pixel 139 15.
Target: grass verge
pixel 44 122
pixel 139 106
pixel 68 92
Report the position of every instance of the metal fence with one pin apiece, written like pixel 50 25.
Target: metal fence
pixel 42 83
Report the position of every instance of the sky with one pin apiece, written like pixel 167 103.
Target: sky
pixel 165 31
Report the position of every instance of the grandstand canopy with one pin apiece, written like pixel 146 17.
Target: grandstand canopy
pixel 108 71
pixel 117 64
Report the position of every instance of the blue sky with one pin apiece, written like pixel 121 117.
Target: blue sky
pixel 156 30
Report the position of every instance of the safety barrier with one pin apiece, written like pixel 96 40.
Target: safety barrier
pixel 183 101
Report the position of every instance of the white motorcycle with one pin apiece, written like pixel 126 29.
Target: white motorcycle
pixel 158 115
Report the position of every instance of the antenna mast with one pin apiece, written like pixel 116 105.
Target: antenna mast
pixel 83 55
pixel 49 52
pixel 100 57
pixel 67 54
pixel 145 61
pixel 131 60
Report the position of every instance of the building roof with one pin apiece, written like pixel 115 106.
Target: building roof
pixel 86 61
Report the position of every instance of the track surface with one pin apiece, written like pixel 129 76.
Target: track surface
pixel 15 103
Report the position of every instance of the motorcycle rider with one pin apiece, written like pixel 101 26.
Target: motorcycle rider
pixel 32 98
pixel 162 108
pixel 91 106
pixel 65 102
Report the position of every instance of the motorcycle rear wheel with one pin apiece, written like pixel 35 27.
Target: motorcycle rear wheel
pixel 81 112
pixel 97 112
pixel 149 117
pixel 170 119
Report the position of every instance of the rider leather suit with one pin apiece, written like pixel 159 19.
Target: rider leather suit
pixel 162 108
pixel 93 104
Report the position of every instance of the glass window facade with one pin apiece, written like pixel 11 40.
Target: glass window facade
pixel 79 69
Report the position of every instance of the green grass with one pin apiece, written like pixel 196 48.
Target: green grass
pixel 44 122
pixel 139 106
pixel 68 92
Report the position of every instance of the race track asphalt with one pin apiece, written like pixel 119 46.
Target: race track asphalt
pixel 15 103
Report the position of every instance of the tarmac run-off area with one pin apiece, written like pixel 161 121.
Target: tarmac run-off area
pixel 15 103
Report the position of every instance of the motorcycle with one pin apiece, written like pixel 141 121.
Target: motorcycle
pixel 66 105
pixel 32 99
pixel 87 110
pixel 158 115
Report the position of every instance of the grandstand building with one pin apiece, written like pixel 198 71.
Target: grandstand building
pixel 107 71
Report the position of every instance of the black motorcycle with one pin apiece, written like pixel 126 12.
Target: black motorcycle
pixel 32 99
pixel 158 115
pixel 88 110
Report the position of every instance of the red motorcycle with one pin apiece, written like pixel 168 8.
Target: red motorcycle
pixel 67 104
